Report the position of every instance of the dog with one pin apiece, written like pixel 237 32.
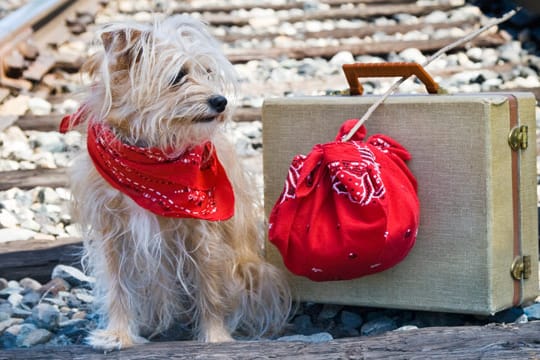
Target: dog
pixel 170 221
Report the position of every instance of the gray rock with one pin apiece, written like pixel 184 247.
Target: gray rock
pixel 72 301
pixel 31 298
pixel 22 332
pixel 21 313
pixel 39 106
pixel 4 316
pixel 436 17
pixel 75 329
pixel 83 295
pixel 14 284
pixel 507 316
pixel 15 234
pixel 46 316
pixel 8 339
pixel 5 324
pixel 511 52
pixel 55 301
pixel 67 107
pixel 15 299
pixel 6 307
pixel 404 18
pixel 60 340
pixel 304 326
pixel 73 276
pixel 342 57
pixel 313 338
pixel 307 69
pixel 475 54
pixel 7 219
pixel 3 283
pixel 533 311
pixel 11 289
pixel 52 141
pixel 48 196
pixel 350 319
pixel 34 337
pixel 412 55
pixel 329 311
pixel 341 331
pixel 79 314
pixel 407 328
pixel 378 326
pixel 28 283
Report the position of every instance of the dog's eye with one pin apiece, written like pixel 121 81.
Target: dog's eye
pixel 179 77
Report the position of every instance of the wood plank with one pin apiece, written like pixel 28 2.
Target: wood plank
pixel 39 122
pixel 37 70
pixel 17 84
pixel 362 48
pixel 37 258
pixel 14 64
pixel 4 93
pixel 182 8
pixel 492 342
pixel 370 2
pixel 28 179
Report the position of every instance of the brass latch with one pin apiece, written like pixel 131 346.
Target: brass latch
pixel 519 138
pixel 521 267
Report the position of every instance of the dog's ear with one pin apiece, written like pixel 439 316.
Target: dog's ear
pixel 120 42
pixel 117 40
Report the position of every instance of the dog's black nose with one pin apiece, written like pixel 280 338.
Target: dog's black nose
pixel 218 103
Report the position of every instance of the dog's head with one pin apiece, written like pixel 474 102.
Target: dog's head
pixel 164 84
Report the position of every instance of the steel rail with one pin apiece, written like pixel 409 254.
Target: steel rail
pixel 21 23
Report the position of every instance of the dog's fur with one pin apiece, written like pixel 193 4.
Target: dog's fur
pixel 152 83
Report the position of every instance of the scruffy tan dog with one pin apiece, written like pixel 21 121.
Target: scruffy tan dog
pixel 157 189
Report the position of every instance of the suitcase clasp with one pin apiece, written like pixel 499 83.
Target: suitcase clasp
pixel 518 139
pixel 521 267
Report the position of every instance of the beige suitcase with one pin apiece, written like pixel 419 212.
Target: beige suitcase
pixel 477 246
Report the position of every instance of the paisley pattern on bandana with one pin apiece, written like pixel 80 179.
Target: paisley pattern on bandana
pixel 193 184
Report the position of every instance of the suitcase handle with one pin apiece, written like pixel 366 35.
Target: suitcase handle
pixel 392 69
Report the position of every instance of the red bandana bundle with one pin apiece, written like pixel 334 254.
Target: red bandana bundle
pixel 191 185
pixel 348 209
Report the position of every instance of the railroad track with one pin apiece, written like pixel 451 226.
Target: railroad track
pixel 42 48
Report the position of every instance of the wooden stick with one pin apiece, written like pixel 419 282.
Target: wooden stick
pixel 435 56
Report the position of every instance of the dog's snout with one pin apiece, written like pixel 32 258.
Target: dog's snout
pixel 218 103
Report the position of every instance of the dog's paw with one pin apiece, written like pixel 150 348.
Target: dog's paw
pixel 216 335
pixel 110 340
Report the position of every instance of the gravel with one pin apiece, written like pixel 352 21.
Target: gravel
pixel 59 312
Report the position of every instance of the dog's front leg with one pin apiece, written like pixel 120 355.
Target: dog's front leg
pixel 213 302
pixel 119 331
pixel 213 329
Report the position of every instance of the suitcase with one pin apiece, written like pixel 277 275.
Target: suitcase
pixel 477 245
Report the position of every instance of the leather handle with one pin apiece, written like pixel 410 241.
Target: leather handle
pixel 403 69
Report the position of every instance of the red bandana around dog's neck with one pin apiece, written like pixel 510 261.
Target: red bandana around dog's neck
pixel 193 184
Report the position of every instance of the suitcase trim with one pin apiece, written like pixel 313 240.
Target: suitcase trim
pixel 518 270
